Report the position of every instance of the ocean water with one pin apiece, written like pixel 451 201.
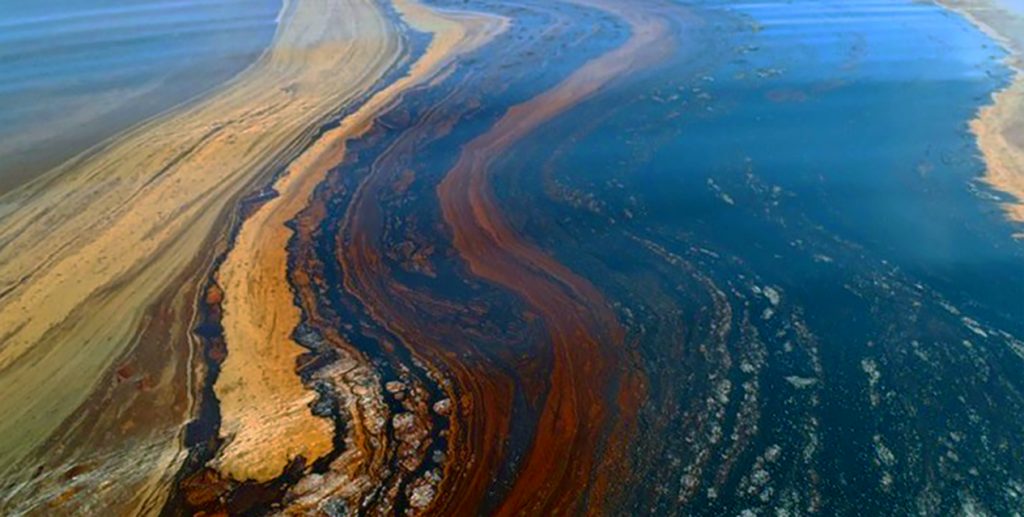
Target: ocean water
pixel 73 72
pixel 819 148
pixel 786 215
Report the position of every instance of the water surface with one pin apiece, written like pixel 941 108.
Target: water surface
pixel 73 72
pixel 805 182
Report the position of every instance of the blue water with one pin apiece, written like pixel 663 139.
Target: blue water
pixel 820 147
pixel 874 145
pixel 73 72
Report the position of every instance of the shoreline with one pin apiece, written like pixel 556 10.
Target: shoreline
pixel 997 127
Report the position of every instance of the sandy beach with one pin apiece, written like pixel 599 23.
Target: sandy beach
pixel 999 127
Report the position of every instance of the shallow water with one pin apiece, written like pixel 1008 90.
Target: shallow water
pixel 74 72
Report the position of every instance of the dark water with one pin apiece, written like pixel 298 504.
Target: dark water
pixel 73 72
pixel 820 150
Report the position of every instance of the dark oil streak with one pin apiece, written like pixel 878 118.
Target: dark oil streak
pixel 201 435
pixel 571 306
pixel 469 472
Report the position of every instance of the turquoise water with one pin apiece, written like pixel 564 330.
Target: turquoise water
pixel 73 72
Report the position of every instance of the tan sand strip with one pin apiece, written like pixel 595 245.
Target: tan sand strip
pixel 999 127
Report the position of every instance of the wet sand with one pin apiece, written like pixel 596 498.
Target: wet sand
pixel 999 127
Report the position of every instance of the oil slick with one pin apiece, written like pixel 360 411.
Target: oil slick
pixel 532 257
